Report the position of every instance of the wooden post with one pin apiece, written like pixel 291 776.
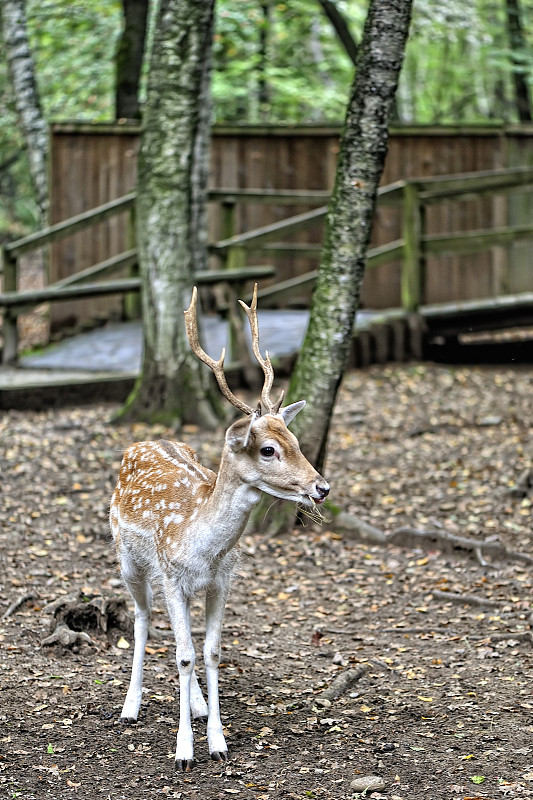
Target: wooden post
pixel 413 266
pixel 228 217
pixel 132 300
pixel 235 258
pixel 10 329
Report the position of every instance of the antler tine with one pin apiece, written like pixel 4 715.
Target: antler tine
pixel 191 325
pixel 264 363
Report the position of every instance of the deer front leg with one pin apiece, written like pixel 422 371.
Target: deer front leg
pixel 215 604
pixel 179 612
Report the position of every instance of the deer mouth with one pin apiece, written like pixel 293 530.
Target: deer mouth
pixel 314 500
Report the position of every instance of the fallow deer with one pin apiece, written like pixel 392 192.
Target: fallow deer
pixel 176 525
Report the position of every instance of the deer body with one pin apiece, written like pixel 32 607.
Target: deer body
pixel 176 525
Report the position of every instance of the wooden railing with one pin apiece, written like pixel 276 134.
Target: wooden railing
pixel 233 250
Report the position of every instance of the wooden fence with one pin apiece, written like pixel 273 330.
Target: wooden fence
pixel 415 247
pixel 94 164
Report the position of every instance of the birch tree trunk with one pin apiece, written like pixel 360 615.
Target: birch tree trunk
pixel 171 209
pixel 322 360
pixel 27 102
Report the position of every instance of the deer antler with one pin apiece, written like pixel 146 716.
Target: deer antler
pixel 191 325
pixel 267 406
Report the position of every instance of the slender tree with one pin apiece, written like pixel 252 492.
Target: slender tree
pixel 26 94
pixel 322 359
pixel 129 59
pixel 172 187
pixel 519 47
pixel 341 28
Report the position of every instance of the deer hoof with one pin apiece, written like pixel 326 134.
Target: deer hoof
pixel 222 756
pixel 128 720
pixel 184 765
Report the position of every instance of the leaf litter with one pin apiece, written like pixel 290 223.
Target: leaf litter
pixel 433 691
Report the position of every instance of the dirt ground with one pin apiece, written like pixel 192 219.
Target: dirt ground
pixel 444 708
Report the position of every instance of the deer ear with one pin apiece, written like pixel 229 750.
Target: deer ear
pixel 238 434
pixel 289 412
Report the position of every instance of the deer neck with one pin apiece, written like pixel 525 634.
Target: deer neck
pixel 230 504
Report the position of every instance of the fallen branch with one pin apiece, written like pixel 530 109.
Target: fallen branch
pixel 16 604
pixel 340 684
pixel 467 599
pixel 355 528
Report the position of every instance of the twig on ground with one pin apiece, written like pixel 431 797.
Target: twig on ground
pixel 467 599
pixel 16 604
pixel 500 637
pixel 340 684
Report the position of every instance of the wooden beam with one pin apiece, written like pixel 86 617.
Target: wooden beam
pixel 434 190
pixel 69 226
pixel 281 197
pixel 475 241
pixel 107 267
pixel 266 232
pixel 58 292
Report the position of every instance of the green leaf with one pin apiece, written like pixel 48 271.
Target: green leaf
pixel 477 779
pixel 50 748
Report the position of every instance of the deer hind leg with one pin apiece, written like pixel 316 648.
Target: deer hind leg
pixel 179 611
pixel 199 708
pixel 215 604
pixel 139 587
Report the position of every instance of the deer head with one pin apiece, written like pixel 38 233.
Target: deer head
pixel 261 449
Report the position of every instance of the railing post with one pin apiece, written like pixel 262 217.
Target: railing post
pixel 10 328
pixel 228 206
pixel 413 265
pixel 132 300
pixel 235 258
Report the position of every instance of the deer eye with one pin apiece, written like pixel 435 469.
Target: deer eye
pixel 267 451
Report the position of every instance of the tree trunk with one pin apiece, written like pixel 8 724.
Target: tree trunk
pixel 328 340
pixel 129 59
pixel 172 188
pixel 519 48
pixel 27 102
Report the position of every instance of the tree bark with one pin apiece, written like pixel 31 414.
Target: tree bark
pixel 518 45
pixel 26 94
pixel 172 189
pixel 129 59
pixel 327 343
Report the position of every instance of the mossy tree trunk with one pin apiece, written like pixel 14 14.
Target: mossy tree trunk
pixel 327 343
pixel 171 209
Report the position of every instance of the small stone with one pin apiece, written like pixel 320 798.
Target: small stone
pixel 368 783
pixel 490 420
pixel 338 659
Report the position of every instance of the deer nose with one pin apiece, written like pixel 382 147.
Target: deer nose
pixel 322 491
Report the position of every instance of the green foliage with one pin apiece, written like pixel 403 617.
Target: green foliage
pixel 458 64
pixel 305 70
pixel 74 42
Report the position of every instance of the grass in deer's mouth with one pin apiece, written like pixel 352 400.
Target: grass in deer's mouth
pixel 313 513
